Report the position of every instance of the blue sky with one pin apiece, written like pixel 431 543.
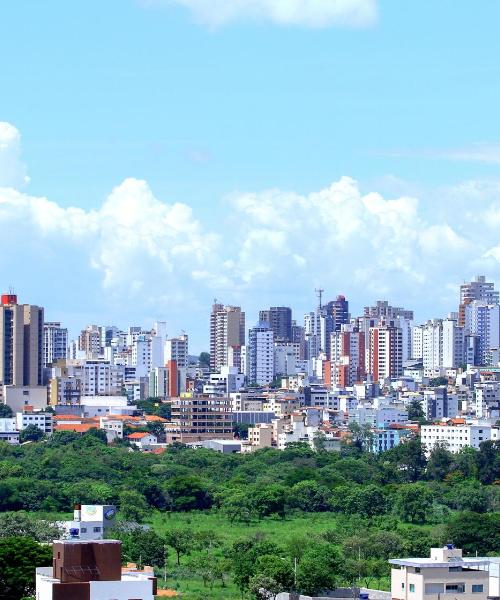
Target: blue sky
pixel 221 136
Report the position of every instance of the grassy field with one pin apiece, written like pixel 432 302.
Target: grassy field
pixel 281 532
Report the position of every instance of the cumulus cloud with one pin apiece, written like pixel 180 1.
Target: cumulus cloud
pixel 307 13
pixel 140 256
pixel 12 169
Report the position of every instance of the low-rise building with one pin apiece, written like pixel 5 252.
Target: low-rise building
pixel 92 570
pixel 142 440
pixel 8 431
pixel 444 575
pixel 42 420
pixel 456 435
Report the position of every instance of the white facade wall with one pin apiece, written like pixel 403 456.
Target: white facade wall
pixel 456 437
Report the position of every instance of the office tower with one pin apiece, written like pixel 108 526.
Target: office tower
pixel 260 354
pixel 339 310
pixel 280 321
pixel 227 328
pixel 89 341
pixel 483 320
pixel 177 349
pixel 55 343
pixel 347 351
pixel 386 352
pixel 383 310
pixel 479 289
pixel 21 343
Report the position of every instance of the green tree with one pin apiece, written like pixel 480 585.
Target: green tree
pixel 204 359
pixel 19 557
pixel 5 411
pixel 244 555
pixel 20 524
pixel 133 506
pixel 142 546
pixel 237 506
pixel 475 533
pixel 156 428
pixel 413 503
pixel 97 434
pixel 319 569
pixel 415 411
pixel 310 496
pixel 189 493
pixel 270 500
pixel 182 540
pixel 409 458
pixel 440 463
pixel 488 462
pixel 32 433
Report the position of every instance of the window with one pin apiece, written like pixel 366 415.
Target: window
pixel 434 588
pixel 455 569
pixel 477 588
pixel 417 569
pixel 455 588
pixel 83 530
pixel 97 529
pixel 412 587
pixel 402 586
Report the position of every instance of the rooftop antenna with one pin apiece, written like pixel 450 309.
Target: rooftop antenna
pixel 319 292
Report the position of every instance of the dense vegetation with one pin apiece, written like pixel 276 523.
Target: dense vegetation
pixel 238 523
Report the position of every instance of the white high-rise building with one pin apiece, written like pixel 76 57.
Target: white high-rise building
pixel 417 342
pixel 55 343
pixel 442 344
pixel 141 355
pixel 260 354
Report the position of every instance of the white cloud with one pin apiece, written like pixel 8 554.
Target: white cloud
pixel 306 13
pixel 480 152
pixel 137 256
pixel 12 169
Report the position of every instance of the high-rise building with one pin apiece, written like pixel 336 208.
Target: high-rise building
pixel 227 328
pixel 89 341
pixel 55 343
pixel 483 320
pixel 442 344
pixel 280 321
pixel 260 354
pixel 339 310
pixel 479 289
pixel 298 337
pixel 382 309
pixel 347 351
pixel 177 349
pixel 386 352
pixel 21 343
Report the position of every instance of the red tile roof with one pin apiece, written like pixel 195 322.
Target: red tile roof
pixel 137 436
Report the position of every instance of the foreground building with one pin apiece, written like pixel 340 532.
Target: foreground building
pixel 444 575
pixel 91 570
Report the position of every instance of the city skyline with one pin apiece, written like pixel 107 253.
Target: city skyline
pixel 251 153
